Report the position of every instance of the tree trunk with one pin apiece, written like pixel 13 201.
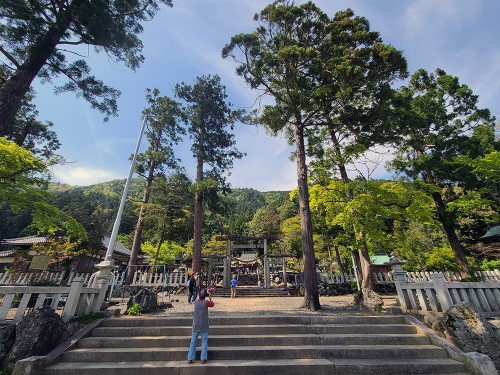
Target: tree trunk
pixel 339 260
pixel 198 208
pixel 311 299
pixel 160 242
pixel 367 281
pixel 136 244
pixel 449 229
pixel 13 90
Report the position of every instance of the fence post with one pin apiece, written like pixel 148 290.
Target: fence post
pixel 73 298
pixel 442 293
pixel 102 284
pixel 399 277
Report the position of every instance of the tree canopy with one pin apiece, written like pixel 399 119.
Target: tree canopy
pixel 40 38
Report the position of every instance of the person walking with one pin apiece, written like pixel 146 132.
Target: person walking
pixel 200 326
pixel 234 284
pixel 191 288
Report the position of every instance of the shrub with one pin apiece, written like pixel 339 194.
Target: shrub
pixel 134 310
pixel 490 265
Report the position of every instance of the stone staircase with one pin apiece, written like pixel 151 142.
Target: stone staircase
pixel 252 291
pixel 257 344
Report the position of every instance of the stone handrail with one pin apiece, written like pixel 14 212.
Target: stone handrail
pixel 78 300
pixel 439 294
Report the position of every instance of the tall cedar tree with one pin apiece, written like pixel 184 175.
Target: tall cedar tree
pixel 304 59
pixel 36 36
pixel 163 116
pixel 210 117
pixel 278 59
pixel 437 125
pixel 355 103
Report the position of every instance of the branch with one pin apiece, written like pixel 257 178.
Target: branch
pixel 10 57
pixel 73 52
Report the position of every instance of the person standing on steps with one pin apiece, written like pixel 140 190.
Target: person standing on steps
pixel 200 326
pixel 234 284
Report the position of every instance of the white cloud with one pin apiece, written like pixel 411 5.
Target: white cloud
pixel 82 176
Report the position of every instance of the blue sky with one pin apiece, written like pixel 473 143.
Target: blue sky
pixel 461 37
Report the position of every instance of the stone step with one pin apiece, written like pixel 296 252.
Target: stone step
pixel 244 320
pixel 263 352
pixel 252 292
pixel 248 340
pixel 259 344
pixel 255 330
pixel 310 366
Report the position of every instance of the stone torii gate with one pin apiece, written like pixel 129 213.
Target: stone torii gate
pixel 257 242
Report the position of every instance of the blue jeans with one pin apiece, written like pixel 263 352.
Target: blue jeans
pixel 204 345
pixel 194 295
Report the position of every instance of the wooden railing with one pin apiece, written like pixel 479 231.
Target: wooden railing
pixel 69 300
pixel 439 294
pixel 411 277
pixel 27 278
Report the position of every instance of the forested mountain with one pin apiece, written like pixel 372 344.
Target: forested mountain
pixel 97 205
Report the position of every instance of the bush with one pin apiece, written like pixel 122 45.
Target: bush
pixel 134 310
pixel 490 265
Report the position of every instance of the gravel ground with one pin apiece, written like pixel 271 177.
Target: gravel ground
pixel 256 305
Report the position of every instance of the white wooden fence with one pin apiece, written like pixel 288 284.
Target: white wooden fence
pixel 141 278
pixel 411 277
pixel 439 294
pixel 69 300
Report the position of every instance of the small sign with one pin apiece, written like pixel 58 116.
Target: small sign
pixel 40 262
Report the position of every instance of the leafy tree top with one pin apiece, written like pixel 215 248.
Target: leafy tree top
pixel 312 64
pixel 441 120
pixel 37 36
pixel 210 117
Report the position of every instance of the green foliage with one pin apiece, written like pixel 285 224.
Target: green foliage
pixel 376 209
pixel 378 308
pixel 209 117
pixel 134 310
pixel 5 372
pixel 354 286
pixel 292 236
pixel 214 247
pixel 36 37
pixel 266 222
pixel 22 176
pixel 442 259
pixel 166 254
pixel 490 265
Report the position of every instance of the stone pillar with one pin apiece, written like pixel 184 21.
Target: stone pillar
pixel 73 298
pixel 399 277
pixel 267 277
pixel 442 293
pixel 102 284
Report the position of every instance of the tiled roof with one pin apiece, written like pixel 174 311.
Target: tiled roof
pixel 119 247
pixel 30 240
